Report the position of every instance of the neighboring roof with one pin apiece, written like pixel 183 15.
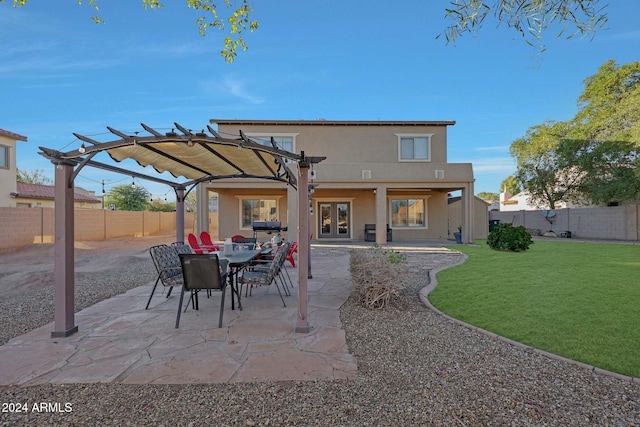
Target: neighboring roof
pixel 39 191
pixel 12 135
pixel 322 122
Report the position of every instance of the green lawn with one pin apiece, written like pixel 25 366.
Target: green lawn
pixel 578 300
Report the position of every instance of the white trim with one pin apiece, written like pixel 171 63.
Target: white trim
pixel 414 135
pixel 263 135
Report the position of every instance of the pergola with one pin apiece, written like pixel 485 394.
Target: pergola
pixel 191 158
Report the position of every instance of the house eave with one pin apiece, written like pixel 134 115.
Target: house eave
pixel 332 122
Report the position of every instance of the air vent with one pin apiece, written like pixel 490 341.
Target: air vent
pixel 439 174
pixel 366 174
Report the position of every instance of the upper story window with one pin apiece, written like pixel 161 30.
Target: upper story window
pixel 414 148
pixel 4 157
pixel 283 141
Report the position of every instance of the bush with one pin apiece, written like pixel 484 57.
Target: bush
pixel 378 275
pixel 506 237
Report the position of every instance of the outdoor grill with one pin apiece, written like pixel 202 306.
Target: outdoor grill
pixel 267 227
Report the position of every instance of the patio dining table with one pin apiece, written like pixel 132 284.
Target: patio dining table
pixel 238 260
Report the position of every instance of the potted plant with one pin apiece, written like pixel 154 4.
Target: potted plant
pixel 458 234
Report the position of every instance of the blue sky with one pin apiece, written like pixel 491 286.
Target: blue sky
pixel 359 60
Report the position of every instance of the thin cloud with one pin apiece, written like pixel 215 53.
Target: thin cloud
pixel 182 49
pixel 237 88
pixel 234 87
pixel 493 148
pixel 624 36
pixel 494 164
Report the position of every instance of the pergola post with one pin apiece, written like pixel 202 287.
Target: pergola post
pixel 63 270
pixel 179 214
pixel 302 324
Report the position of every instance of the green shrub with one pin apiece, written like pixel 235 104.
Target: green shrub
pixel 506 237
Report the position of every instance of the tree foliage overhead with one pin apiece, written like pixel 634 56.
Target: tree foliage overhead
pixel 237 17
pixel 530 18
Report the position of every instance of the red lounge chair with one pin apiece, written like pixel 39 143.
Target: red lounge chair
pixel 292 250
pixel 207 244
pixel 193 242
pixel 237 236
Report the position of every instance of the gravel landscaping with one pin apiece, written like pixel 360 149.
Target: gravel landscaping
pixel 415 368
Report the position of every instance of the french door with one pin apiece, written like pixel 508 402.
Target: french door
pixel 334 220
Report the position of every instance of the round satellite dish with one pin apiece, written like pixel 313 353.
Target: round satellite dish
pixel 548 214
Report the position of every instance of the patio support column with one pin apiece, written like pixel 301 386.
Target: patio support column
pixel 381 215
pixel 292 212
pixel 302 324
pixel 202 208
pixel 467 213
pixel 179 214
pixel 64 268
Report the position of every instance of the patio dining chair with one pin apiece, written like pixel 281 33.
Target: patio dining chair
pixel 202 272
pixel 167 262
pixel 265 275
pixel 288 249
pixel 182 248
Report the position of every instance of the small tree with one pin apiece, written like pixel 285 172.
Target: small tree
pixel 158 205
pixel 511 185
pixel 540 167
pixel 128 197
pixel 36 176
pixel 485 195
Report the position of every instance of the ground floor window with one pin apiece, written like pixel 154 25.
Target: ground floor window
pixel 408 213
pixel 258 210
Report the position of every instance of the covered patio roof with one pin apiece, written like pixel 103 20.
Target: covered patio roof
pixel 194 156
pixel 191 158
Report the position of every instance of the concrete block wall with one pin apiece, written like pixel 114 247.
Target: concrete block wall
pixel 603 223
pixel 89 224
pixel 25 226
pixel 22 226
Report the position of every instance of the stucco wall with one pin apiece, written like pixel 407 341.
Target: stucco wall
pixel 480 218
pixel 608 223
pixel 8 176
pixel 24 226
pixel 346 144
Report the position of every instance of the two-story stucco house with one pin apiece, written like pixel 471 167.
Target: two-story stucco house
pixel 8 168
pixel 391 173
